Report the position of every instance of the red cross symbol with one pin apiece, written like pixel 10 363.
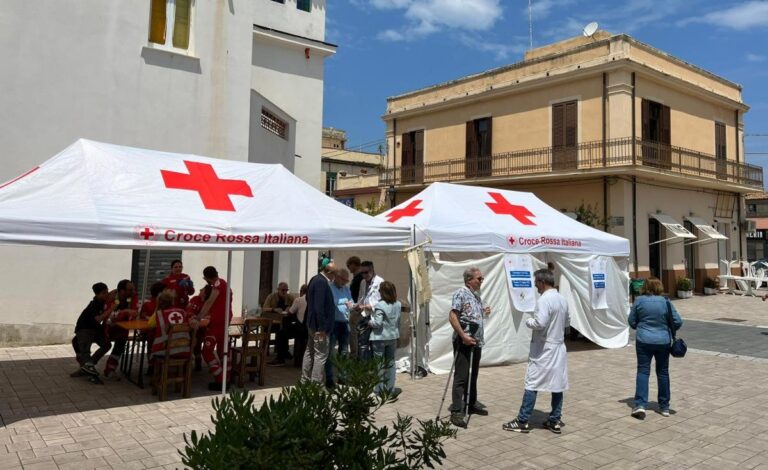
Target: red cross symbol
pixel 214 192
pixel 175 318
pixel 502 207
pixel 408 211
pixel 146 233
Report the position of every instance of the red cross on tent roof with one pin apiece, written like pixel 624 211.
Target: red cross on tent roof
pixel 502 207
pixel 408 211
pixel 214 192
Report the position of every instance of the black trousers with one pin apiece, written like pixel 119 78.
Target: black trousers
pixel 461 378
pixel 82 342
pixel 291 328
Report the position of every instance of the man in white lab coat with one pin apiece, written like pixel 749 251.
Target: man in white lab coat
pixel 547 362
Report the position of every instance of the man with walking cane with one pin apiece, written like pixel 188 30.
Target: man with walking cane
pixel 466 318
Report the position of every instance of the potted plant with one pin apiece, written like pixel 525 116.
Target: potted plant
pixel 684 288
pixel 710 286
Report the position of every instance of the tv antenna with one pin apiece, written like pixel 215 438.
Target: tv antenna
pixel 590 29
pixel 530 24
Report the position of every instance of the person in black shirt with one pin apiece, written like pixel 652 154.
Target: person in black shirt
pixel 89 330
pixel 353 264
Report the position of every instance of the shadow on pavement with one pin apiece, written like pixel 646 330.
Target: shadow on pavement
pixel 32 388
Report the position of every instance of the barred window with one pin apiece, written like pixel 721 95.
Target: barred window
pixel 274 124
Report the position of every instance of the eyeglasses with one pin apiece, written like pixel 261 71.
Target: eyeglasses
pixel 481 278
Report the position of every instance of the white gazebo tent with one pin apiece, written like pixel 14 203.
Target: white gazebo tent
pixel 97 195
pixel 466 225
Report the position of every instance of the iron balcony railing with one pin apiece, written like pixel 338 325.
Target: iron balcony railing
pixel 585 156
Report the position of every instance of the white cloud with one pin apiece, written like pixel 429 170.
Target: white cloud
pixel 748 15
pixel 390 4
pixel 541 9
pixel 425 17
pixel 391 35
pixel 755 57
pixel 501 52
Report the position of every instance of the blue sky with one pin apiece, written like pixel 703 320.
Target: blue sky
pixel 387 47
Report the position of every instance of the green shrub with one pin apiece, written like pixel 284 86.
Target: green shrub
pixel 309 427
pixel 710 283
pixel 683 284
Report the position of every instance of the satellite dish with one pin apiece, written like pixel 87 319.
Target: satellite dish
pixel 590 29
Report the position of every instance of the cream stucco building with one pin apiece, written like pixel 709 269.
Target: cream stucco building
pixel 236 79
pixel 648 145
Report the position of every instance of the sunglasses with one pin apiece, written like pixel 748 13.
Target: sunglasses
pixel 481 278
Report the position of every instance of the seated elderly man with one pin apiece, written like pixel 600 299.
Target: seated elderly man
pixel 276 307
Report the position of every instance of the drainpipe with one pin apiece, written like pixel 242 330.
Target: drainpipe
pixel 605 156
pixel 634 180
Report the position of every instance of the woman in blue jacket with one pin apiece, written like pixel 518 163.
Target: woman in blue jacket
pixel 649 316
pixel 385 330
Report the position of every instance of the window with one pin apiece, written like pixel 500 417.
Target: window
pixel 330 183
pixel 720 151
pixel 657 135
pixel 170 22
pixel 274 124
pixel 412 157
pixel 565 136
pixel 478 149
pixel 304 5
pixel 279 1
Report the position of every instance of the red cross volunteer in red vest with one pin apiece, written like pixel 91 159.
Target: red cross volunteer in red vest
pixel 214 310
pixel 165 316
pixel 180 283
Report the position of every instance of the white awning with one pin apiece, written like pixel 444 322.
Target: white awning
pixel 706 229
pixel 675 228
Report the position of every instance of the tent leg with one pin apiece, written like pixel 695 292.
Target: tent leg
pixel 227 306
pixel 414 307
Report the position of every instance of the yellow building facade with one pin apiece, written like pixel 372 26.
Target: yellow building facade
pixel 605 127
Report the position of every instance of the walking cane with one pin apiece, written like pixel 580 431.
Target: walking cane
pixel 469 382
pixel 445 392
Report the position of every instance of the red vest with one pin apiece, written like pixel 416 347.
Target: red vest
pixel 165 318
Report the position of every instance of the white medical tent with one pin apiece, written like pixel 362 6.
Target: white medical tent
pixel 98 195
pixel 462 226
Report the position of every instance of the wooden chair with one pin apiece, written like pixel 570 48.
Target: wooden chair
pixel 251 356
pixel 181 341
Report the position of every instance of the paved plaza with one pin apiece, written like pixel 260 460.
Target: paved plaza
pixel 50 420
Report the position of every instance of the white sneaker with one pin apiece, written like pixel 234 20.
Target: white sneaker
pixel 665 413
pixel 638 413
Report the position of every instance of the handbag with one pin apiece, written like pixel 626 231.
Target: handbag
pixel 677 348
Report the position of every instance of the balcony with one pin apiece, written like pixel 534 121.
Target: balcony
pixel 614 154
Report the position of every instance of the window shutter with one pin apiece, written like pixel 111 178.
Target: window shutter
pixel 490 137
pixel 471 140
pixel 721 145
pixel 157 21
pixel 181 24
pixel 558 129
pixel 666 128
pixel 571 122
pixel 407 152
pixel 646 119
pixel 418 157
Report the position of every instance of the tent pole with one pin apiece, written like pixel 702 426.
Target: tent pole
pixel 227 306
pixel 414 310
pixel 146 277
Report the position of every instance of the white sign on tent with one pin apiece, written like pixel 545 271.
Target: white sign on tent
pixel 522 292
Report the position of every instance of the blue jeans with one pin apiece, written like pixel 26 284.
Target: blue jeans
pixel 385 349
pixel 529 401
pixel 339 336
pixel 646 352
